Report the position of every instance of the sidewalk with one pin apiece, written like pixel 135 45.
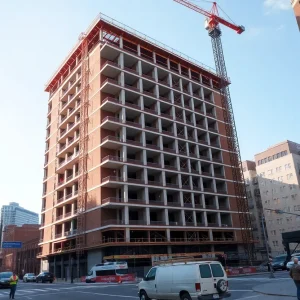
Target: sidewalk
pixel 283 288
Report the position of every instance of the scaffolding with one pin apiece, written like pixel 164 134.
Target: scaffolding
pixel 83 150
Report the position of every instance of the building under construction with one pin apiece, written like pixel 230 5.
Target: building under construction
pixel 137 160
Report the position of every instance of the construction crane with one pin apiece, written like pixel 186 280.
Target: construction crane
pixel 212 25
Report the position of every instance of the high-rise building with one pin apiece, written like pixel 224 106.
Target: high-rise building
pixel 13 214
pixel 278 170
pixel 158 180
pixel 255 207
pixel 296 7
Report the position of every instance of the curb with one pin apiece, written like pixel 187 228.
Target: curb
pixel 269 294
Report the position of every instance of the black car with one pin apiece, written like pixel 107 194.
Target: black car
pixel 45 277
pixel 4 279
pixel 279 262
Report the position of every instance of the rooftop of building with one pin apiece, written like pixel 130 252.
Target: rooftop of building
pixel 17 206
pixel 103 21
pixel 288 143
pixel 248 165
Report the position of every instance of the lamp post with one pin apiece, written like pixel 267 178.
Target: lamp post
pixel 267 246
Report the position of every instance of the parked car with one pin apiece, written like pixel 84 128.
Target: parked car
pixel 29 277
pixel 44 277
pixel 279 262
pixel 291 262
pixel 185 281
pixel 4 279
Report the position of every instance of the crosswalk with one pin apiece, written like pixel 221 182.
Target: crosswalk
pixel 23 290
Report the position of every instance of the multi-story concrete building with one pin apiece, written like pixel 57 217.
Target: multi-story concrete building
pixel 159 175
pixel 13 214
pixel 278 170
pixel 296 7
pixel 255 207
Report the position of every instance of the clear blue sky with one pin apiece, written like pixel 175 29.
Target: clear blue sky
pixel 263 64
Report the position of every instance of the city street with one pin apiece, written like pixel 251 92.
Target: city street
pixel 241 288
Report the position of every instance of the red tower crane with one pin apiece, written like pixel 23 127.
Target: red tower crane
pixel 213 20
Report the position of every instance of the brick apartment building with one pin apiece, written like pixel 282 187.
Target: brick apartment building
pixel 13 233
pixel 159 177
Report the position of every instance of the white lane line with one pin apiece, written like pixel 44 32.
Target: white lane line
pixel 240 290
pixel 109 295
pixel 39 290
pixel 249 297
pixel 25 291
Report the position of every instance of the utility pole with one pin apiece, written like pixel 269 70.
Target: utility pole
pixel 267 246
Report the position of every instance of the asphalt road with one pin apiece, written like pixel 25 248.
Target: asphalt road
pixel 241 288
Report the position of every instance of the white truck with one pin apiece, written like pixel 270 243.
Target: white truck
pixel 202 280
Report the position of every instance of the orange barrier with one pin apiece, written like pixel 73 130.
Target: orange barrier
pixel 112 278
pixel 241 270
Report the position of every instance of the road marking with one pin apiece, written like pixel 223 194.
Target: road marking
pixel 38 290
pixel 249 297
pixel 110 295
pixel 240 290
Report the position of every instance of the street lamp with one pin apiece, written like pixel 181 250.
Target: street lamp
pixel 267 246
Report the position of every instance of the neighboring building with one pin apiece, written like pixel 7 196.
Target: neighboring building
pixel 13 233
pixel 13 214
pixel 296 7
pixel 278 170
pixel 27 261
pixel 159 171
pixel 255 207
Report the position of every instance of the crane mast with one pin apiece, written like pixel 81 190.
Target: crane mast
pixel 214 31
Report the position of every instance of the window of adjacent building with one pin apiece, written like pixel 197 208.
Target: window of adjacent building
pixel 279 221
pixel 262 174
pixel 296 207
pixel 289 176
pixel 273 232
pixel 278 169
pixel 270 172
pixel 275 243
pixel 287 166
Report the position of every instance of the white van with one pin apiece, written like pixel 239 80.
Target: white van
pixel 203 280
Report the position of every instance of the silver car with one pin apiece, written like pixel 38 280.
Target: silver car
pixel 29 277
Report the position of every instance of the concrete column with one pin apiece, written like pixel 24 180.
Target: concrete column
pixel 127 234
pixel 123 115
pixel 124 173
pixel 124 153
pixel 64 210
pixel 182 217
pixel 181 199
pixel 139 49
pixel 146 195
pixel 144 157
pixel 122 97
pixel 126 215
pixel 145 175
pixel 211 237
pixel 166 216
pixel 163 175
pixel 168 235
pixel 143 120
pixel 147 215
pixel 63 229
pixel 125 193
pixel 219 219
pixel 121 42
pixel 205 218
pixel 190 73
pixel 139 68
pixel 194 218
pixel 165 198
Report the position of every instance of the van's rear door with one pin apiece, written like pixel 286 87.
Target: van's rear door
pixel 206 280
pixel 218 273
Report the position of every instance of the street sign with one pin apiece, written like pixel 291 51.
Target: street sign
pixel 11 245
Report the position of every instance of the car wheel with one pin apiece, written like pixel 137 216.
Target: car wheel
pixel 185 296
pixel 221 286
pixel 143 296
